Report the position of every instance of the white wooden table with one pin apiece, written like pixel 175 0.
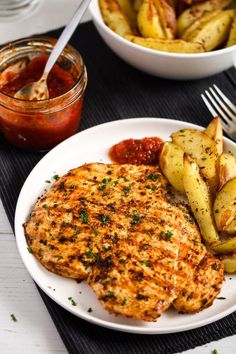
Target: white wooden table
pixel 34 331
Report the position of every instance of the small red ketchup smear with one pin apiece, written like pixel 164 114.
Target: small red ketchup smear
pixel 137 151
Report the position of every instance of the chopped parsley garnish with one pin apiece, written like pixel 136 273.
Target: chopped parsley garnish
pixel 89 254
pixel 47 181
pixel 135 219
pixel 29 249
pixel 122 261
pixel 127 189
pixel 215 351
pixel 169 234
pixel 153 177
pixel 56 177
pixel 13 317
pixel 102 187
pixel 104 218
pixel 73 303
pixel 106 180
pixel 84 216
pixel 90 310
pixel 146 263
pixel 109 295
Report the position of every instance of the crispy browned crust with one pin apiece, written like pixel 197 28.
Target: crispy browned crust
pixel 200 291
pixel 117 226
pixel 57 233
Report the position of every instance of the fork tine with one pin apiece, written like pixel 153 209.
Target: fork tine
pixel 214 113
pixel 209 106
pixel 226 100
pixel 218 108
pixel 221 103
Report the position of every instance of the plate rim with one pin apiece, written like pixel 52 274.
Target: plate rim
pixel 86 316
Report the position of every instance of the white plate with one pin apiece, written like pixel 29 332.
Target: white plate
pixel 92 145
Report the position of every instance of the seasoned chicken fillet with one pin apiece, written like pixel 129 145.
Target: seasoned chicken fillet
pixel 117 227
pixel 66 221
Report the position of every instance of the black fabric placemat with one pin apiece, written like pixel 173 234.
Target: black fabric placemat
pixel 115 91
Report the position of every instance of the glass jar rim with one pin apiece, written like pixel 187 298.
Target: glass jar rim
pixel 47 41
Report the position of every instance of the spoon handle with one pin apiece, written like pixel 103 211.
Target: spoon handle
pixel 66 35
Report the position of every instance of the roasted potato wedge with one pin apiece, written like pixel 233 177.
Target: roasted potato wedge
pixel 148 20
pixel 136 4
pixel 232 34
pixel 171 164
pixel 193 13
pixel 198 195
pixel 128 11
pixel 215 132
pixel 229 262
pixel 226 246
pixel 167 17
pixel 226 168
pixel 214 32
pixel 114 17
pixel 202 148
pixel 167 45
pixel 197 24
pixel 225 207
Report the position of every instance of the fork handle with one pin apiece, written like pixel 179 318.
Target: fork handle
pixel 66 35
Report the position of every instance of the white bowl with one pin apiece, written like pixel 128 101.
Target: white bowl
pixel 167 65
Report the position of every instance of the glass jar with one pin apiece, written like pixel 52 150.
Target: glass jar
pixel 40 125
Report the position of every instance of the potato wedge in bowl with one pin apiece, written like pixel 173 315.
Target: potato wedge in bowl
pixel 208 23
pixel 174 59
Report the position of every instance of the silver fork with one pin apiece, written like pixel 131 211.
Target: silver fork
pixel 219 105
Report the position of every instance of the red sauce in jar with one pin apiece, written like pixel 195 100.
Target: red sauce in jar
pixel 137 151
pixel 40 125
pixel 59 81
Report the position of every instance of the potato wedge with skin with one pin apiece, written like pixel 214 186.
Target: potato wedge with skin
pixel 226 168
pixel 194 12
pixel 136 4
pixel 128 11
pixel 167 45
pixel 225 206
pixel 198 195
pixel 232 34
pixel 229 262
pixel 197 24
pixel 225 247
pixel 114 17
pixel 171 164
pixel 148 21
pixel 167 17
pixel 213 32
pixel 215 132
pixel 202 148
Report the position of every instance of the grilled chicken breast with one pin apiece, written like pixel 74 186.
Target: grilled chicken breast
pixel 116 226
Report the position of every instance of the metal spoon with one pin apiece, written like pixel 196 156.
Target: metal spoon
pixel 38 90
